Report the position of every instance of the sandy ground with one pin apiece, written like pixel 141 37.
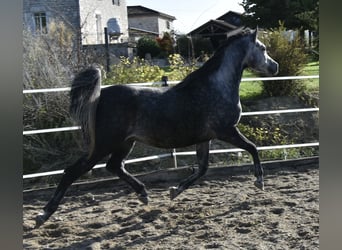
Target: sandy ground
pixel 216 213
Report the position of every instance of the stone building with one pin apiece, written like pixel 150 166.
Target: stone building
pixel 143 21
pixel 87 18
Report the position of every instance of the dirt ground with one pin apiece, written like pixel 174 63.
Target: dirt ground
pixel 222 212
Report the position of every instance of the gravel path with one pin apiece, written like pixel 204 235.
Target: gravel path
pixel 225 212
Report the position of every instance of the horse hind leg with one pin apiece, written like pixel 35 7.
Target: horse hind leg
pixel 116 166
pixel 71 173
pixel 202 153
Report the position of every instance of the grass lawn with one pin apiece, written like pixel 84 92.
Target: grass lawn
pixel 312 69
pixel 250 90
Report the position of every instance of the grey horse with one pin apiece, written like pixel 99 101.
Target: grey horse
pixel 204 106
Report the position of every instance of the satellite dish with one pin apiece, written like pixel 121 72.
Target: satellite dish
pixel 113 27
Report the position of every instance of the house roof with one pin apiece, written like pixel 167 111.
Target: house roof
pixel 229 14
pixel 223 24
pixel 213 27
pixel 139 10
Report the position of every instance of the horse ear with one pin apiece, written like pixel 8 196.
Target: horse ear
pixel 255 34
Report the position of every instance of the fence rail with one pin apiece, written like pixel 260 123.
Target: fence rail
pixel 170 155
pixel 174 153
pixel 268 112
pixel 149 84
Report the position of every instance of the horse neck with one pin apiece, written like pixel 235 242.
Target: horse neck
pixel 228 75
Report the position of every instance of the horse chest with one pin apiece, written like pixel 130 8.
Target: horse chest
pixel 225 114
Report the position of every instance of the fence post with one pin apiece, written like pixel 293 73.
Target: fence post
pixel 173 153
pixel 164 80
pixel 174 157
pixel 107 49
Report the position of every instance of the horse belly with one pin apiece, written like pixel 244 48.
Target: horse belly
pixel 170 120
pixel 167 134
pixel 169 141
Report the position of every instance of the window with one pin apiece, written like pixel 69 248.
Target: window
pixel 116 2
pixel 98 29
pixel 40 22
pixel 168 25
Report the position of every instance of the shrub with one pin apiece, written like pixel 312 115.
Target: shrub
pixel 130 71
pixel 147 45
pixel 179 69
pixel 291 56
pixel 273 136
pixel 140 70
pixel 263 136
pixel 165 43
pixel 194 48
pixel 48 60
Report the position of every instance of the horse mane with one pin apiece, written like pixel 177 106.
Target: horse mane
pixel 216 59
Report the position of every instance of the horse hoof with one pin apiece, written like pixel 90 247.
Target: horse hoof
pixel 173 192
pixel 39 221
pixel 143 199
pixel 259 184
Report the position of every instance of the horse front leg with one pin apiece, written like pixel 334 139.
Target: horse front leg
pixel 234 136
pixel 71 173
pixel 202 153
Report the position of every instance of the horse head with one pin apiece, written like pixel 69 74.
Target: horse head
pixel 257 57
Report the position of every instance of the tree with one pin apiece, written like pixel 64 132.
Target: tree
pixel 296 14
pixel 184 46
pixel 198 45
pixel 147 45
pixel 166 43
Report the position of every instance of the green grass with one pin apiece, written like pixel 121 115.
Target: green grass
pixel 252 90
pixel 312 68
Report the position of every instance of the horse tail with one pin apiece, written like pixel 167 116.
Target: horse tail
pixel 84 97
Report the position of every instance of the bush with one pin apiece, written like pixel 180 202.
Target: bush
pixel 291 56
pixel 140 70
pixel 130 71
pixel 48 62
pixel 147 45
pixel 263 136
pixel 198 46
pixel 165 44
pixel 179 69
pixel 269 136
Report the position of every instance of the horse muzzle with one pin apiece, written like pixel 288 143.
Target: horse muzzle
pixel 273 68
